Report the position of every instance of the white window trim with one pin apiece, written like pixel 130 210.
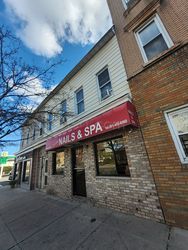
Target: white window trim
pixel 162 30
pixel 76 103
pixel 98 87
pixel 174 133
pixel 63 117
pixel 50 121
pixel 41 128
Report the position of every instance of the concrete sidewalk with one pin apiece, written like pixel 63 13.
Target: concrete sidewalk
pixel 33 220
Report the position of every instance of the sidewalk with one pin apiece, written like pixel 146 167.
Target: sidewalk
pixel 33 220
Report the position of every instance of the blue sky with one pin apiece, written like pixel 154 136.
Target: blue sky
pixel 48 32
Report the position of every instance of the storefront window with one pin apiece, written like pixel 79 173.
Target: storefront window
pixel 111 158
pixel 58 163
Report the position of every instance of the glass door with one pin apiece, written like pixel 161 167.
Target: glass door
pixel 79 184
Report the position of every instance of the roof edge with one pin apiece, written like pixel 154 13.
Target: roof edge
pixel 96 48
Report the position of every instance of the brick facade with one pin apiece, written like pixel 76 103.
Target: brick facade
pixel 173 13
pixel 135 195
pixel 161 87
pixel 60 185
pixel 158 86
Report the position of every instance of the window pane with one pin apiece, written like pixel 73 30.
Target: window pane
pixel 50 117
pixel 60 165
pixel 155 47
pixel 103 77
pixel 184 142
pixel 64 107
pixel 79 95
pixel 79 158
pixel 106 90
pixel 112 159
pixel 180 122
pixel 149 33
pixel 80 107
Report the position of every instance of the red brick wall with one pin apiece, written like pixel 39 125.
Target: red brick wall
pixel 173 13
pixel 159 88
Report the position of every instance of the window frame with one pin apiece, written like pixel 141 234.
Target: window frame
pixel 50 121
pixel 54 164
pixel 162 31
pixel 76 102
pixel 63 117
pixel 41 128
pixel 28 134
pixel 174 133
pixel 98 85
pixel 97 163
pixel 34 133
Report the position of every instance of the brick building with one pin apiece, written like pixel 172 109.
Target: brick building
pixel 94 147
pixel 153 37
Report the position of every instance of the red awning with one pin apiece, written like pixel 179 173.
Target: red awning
pixel 118 117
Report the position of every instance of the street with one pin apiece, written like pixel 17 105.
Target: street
pixel 34 220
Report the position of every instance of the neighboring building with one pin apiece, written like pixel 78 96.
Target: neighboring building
pixel 91 144
pixel 153 38
pixel 6 164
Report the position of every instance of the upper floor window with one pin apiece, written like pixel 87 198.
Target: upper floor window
pixel 50 119
pixel 34 133
pixel 41 127
pixel 27 139
pixel 178 124
pixel 63 111
pixel 153 39
pixel 80 101
pixel 105 85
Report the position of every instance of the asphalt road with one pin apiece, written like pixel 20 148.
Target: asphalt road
pixel 36 221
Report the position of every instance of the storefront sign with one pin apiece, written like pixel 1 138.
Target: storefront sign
pixel 115 118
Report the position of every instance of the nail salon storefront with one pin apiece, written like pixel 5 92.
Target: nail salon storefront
pixel 104 159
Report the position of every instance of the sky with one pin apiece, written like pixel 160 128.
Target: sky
pixel 53 29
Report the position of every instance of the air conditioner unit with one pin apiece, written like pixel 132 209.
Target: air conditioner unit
pixel 108 93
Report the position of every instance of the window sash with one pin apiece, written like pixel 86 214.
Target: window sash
pixel 162 31
pixel 41 127
pixel 80 102
pixel 106 79
pixel 50 119
pixel 34 133
pixel 116 157
pixel 63 107
pixel 152 36
pixel 80 107
pixel 58 159
pixel 104 84
pixel 28 136
pixel 79 95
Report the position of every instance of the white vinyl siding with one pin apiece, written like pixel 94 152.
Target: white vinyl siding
pixel 109 56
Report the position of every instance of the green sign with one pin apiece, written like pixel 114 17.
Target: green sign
pixel 3 160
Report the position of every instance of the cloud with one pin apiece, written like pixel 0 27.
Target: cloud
pixel 34 92
pixel 45 24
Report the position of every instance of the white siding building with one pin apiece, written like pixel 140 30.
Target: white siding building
pixel 89 143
